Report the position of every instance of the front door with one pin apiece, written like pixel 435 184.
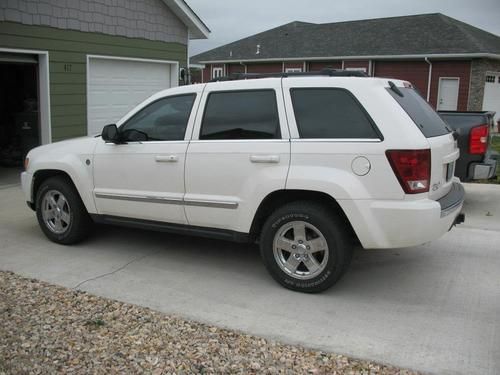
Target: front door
pixel 145 180
pixel 448 94
pixel 240 152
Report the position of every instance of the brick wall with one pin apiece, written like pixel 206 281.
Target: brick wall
pixel 416 72
pixel 235 68
pixel 148 19
pixel 479 68
pixel 318 65
pixel 265 68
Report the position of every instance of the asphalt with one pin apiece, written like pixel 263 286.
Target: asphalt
pixel 434 308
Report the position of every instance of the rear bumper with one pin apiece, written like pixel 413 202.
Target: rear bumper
pixel 483 171
pixel 486 168
pixel 392 224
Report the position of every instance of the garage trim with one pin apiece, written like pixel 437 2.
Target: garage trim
pixel 174 71
pixel 43 91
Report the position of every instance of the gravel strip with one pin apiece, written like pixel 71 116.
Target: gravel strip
pixel 47 329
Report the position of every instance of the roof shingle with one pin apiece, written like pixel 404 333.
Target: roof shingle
pixel 408 35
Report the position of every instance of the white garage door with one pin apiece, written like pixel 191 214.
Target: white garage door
pixel 116 86
pixel 491 101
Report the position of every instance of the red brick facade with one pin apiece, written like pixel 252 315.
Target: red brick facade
pixel 319 65
pixel 452 69
pixel 416 72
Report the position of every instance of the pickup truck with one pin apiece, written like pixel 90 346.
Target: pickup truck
pixel 477 160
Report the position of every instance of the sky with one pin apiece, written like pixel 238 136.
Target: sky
pixel 231 20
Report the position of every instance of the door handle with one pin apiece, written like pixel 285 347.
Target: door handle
pixel 166 158
pixel 265 158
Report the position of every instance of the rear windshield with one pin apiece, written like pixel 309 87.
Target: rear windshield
pixel 427 120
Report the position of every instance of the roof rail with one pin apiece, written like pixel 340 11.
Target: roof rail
pixel 323 72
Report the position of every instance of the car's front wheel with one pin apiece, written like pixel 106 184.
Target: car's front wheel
pixel 60 211
pixel 305 247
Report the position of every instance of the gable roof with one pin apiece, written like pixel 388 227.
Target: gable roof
pixel 197 28
pixel 425 34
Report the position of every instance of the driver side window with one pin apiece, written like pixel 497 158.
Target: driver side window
pixel 163 120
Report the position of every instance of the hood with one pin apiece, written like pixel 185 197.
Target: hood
pixel 81 145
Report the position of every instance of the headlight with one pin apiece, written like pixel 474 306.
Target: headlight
pixel 26 163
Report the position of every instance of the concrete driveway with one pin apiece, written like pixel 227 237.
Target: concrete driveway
pixel 434 308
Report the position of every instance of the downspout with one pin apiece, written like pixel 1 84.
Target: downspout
pixel 187 75
pixel 429 80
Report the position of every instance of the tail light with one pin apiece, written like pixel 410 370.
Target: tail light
pixel 412 168
pixel 478 140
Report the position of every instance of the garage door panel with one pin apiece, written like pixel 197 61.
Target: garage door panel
pixel 117 86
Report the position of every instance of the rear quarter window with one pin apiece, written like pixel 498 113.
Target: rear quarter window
pixel 331 113
pixel 422 114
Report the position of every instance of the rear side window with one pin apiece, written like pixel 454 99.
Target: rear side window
pixel 330 113
pixel 241 115
pixel 422 114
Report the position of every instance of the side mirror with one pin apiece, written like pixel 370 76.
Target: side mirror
pixel 110 133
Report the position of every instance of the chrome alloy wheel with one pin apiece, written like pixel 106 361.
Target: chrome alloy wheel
pixel 300 250
pixel 56 211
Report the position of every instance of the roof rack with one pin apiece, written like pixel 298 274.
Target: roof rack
pixel 323 72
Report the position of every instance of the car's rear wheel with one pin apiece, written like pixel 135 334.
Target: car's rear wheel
pixel 60 211
pixel 306 247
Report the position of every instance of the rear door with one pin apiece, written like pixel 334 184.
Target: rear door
pixel 444 149
pixel 239 153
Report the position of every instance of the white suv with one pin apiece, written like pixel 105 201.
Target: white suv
pixel 304 165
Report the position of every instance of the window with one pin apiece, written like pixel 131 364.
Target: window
pixel 241 115
pixel 330 113
pixel 422 114
pixel 357 69
pixel 163 120
pixel 217 72
pixel 490 79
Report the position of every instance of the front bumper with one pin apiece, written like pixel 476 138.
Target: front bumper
pixel 391 224
pixel 26 185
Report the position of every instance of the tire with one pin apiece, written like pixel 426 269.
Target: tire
pixel 290 261
pixel 60 212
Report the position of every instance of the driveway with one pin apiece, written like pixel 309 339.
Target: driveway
pixel 434 308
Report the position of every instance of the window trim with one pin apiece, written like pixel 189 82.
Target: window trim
pixel 194 94
pixel 219 70
pixel 279 136
pixel 356 101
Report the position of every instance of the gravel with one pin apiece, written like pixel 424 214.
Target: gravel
pixel 49 329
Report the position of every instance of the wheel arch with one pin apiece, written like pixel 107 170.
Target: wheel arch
pixel 279 198
pixel 42 175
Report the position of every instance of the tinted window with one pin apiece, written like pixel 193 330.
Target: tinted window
pixel 163 120
pixel 330 113
pixel 241 115
pixel 422 114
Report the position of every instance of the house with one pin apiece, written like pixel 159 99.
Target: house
pixel 455 66
pixel 68 67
